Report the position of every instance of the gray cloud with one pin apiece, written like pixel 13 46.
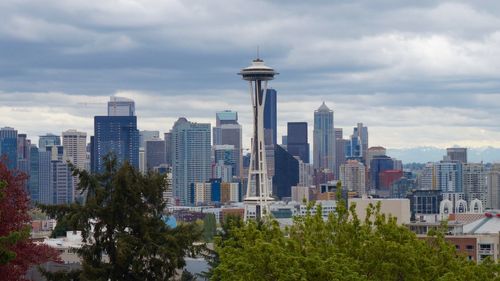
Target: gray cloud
pixel 416 72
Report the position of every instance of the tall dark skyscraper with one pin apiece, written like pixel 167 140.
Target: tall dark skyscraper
pixel 379 164
pixel 297 141
pixel 271 118
pixel 8 147
pixel 457 154
pixel 155 153
pixel 116 134
pixel 286 172
pixel 23 153
pixel 340 145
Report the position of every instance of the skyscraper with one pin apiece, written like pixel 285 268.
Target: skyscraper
pixel 8 147
pixel 340 145
pixel 379 164
pixel 457 154
pixel 75 147
pixel 45 189
pixel 168 148
pixel 154 153
pixel 271 118
pixel 474 182
pixel 448 176
pixel 493 185
pixel 360 133
pixel 117 135
pixel 118 106
pixel 286 173
pixel 60 179
pixel 324 139
pixel 147 135
pixel 48 140
pixel 258 191
pixel 33 183
pixel 352 176
pixel 190 157
pixel 297 142
pixel 228 132
pixel 23 154
pixel 228 154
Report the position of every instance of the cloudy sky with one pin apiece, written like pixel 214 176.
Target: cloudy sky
pixel 420 73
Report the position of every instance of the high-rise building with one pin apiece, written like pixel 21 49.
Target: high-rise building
pixel 8 147
pixel 426 179
pixel 360 134
pixel 297 143
pixel 258 192
pixel 271 118
pixel 190 157
pixel 168 148
pixel 117 135
pixel 474 182
pixel 286 173
pixel 45 188
pixel 118 106
pixel 493 184
pixel 306 174
pixel 324 139
pixel 448 177
pixel 340 152
pixel 352 176
pixel 33 181
pixel 457 154
pixel 228 155
pixel 48 140
pixel 147 135
pixel 154 153
pixel 23 154
pixel 228 132
pixel 374 151
pixel 379 164
pixel 75 147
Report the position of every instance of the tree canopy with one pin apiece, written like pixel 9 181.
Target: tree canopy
pixel 17 251
pixel 122 227
pixel 341 247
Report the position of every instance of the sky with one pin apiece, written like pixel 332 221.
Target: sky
pixel 417 73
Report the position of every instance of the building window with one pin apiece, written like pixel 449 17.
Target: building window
pixel 470 247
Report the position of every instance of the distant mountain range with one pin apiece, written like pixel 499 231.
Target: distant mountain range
pixel 432 154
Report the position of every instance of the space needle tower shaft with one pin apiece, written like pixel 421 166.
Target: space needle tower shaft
pixel 258 194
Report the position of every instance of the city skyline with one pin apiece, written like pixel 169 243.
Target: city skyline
pixel 412 83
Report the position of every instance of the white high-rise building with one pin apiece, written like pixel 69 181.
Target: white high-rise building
pixel 352 176
pixel 75 150
pixel 474 182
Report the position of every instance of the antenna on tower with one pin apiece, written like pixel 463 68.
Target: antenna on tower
pixel 258 55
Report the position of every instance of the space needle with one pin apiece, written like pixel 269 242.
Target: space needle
pixel 258 194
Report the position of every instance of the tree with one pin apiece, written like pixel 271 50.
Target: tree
pixel 122 226
pixel 341 248
pixel 209 227
pixel 17 251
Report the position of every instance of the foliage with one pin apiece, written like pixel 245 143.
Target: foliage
pixel 122 226
pixel 209 227
pixel 341 247
pixel 17 251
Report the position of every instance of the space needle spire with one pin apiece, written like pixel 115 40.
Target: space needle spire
pixel 258 194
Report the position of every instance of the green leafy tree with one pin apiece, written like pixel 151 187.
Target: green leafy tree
pixel 122 227
pixel 342 247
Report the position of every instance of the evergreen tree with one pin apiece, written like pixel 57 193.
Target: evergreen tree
pixel 122 227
